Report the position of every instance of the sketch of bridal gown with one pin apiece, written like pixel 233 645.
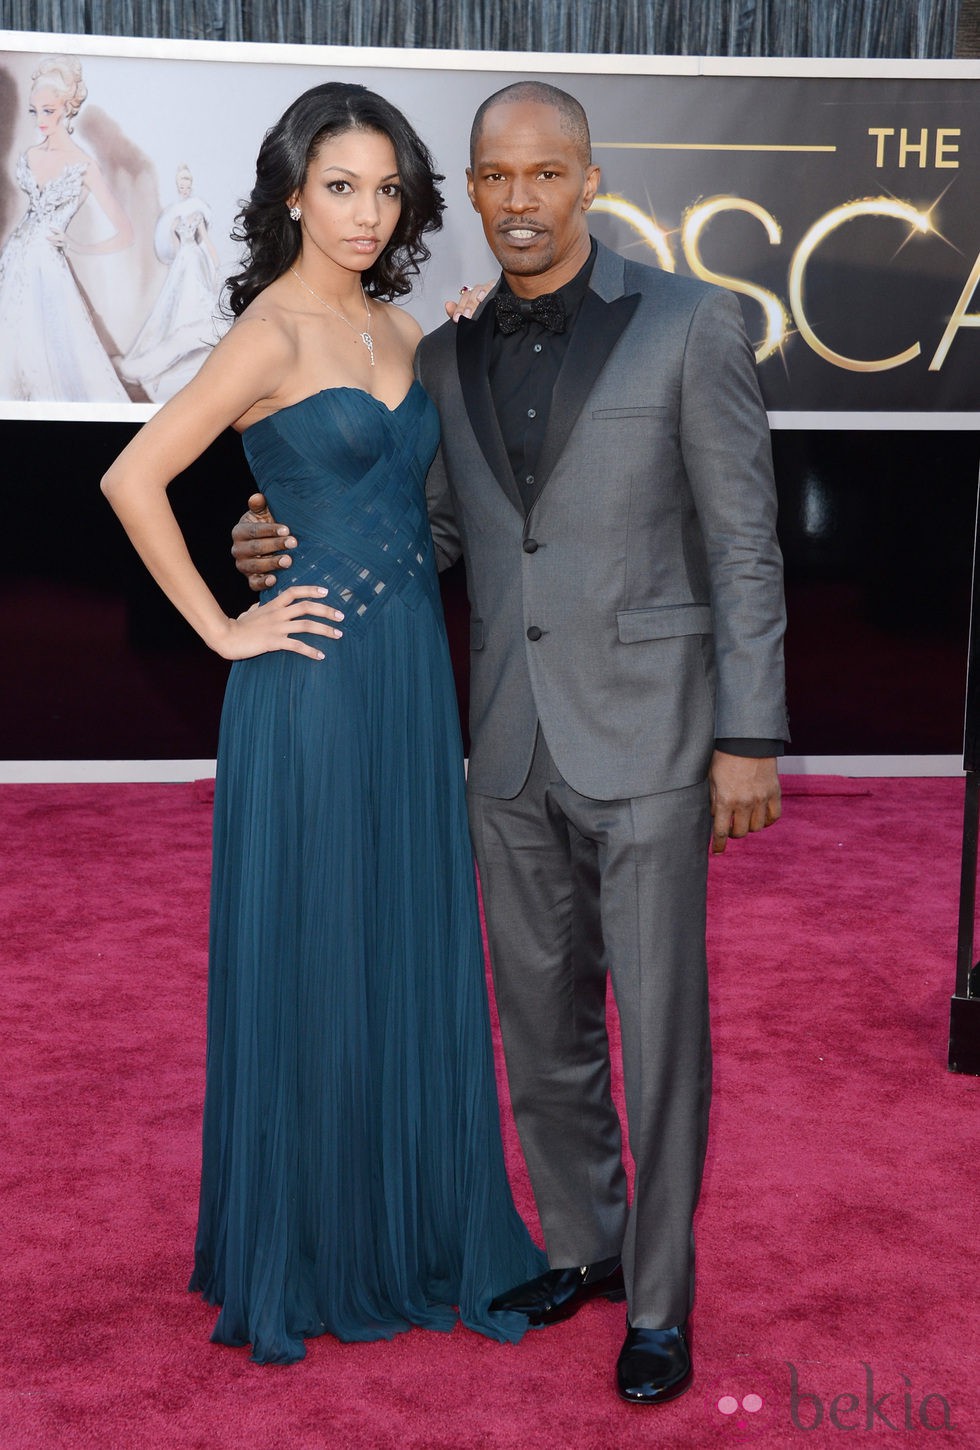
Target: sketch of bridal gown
pixel 183 324
pixel 49 348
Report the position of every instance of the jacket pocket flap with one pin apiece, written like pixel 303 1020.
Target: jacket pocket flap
pixel 647 412
pixel 663 623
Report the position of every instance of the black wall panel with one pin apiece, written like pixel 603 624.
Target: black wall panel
pixel 877 530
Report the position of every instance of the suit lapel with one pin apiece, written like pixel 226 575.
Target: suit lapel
pixel 598 328
pixel 606 309
pixel 473 339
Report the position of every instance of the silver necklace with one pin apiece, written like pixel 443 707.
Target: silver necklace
pixel 365 337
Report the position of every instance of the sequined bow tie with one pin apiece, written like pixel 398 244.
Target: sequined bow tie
pixel 513 312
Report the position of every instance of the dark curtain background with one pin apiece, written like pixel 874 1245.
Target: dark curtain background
pixel 915 29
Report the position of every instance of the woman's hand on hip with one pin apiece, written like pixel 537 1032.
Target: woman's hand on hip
pixel 275 626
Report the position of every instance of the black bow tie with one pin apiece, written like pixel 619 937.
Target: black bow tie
pixel 514 312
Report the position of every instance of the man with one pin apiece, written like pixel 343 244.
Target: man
pixel 605 472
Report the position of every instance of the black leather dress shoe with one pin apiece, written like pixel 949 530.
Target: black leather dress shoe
pixel 559 1293
pixel 654 1365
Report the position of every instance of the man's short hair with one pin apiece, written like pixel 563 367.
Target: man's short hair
pixel 572 117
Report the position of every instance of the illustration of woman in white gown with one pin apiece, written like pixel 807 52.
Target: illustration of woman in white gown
pixel 49 347
pixel 183 325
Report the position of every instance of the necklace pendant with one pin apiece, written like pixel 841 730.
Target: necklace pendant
pixel 365 337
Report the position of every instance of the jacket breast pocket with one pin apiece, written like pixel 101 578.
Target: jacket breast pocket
pixel 645 412
pixel 666 622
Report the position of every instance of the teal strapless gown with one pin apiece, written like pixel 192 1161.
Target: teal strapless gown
pixel 353 1177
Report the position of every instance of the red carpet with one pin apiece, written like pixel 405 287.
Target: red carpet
pixel 838 1227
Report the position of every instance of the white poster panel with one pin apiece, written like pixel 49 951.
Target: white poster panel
pixel 836 199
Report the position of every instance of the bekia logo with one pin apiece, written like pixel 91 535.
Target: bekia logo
pixel 867 1407
pixel 752 1399
pixel 746 1401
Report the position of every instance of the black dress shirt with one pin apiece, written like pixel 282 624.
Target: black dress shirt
pixel 524 367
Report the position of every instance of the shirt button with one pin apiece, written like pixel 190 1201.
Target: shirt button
pixel 530 546
pixel 534 632
pixel 537 347
pixel 531 413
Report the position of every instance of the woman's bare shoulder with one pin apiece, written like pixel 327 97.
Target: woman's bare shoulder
pixel 268 321
pixel 403 322
pixel 76 155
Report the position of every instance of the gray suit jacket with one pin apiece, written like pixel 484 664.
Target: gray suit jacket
pixel 637 609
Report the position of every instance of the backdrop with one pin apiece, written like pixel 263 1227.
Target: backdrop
pixel 876 525
pixel 840 206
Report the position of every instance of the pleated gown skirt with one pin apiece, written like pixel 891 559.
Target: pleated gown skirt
pixel 353 1179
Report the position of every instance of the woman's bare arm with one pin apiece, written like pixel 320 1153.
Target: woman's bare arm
pixel 245 368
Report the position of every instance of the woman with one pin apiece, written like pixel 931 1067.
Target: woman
pixel 49 348
pixel 181 327
pixel 353 1177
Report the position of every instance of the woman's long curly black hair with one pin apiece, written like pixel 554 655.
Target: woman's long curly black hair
pixel 272 238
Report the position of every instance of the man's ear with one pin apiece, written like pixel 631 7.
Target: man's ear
pixel 593 176
pixel 469 188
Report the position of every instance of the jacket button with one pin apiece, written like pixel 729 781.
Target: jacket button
pixel 534 632
pixel 530 546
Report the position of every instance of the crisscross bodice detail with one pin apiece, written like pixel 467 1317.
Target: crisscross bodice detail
pixel 353 493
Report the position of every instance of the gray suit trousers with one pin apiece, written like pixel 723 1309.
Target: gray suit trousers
pixel 576 888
